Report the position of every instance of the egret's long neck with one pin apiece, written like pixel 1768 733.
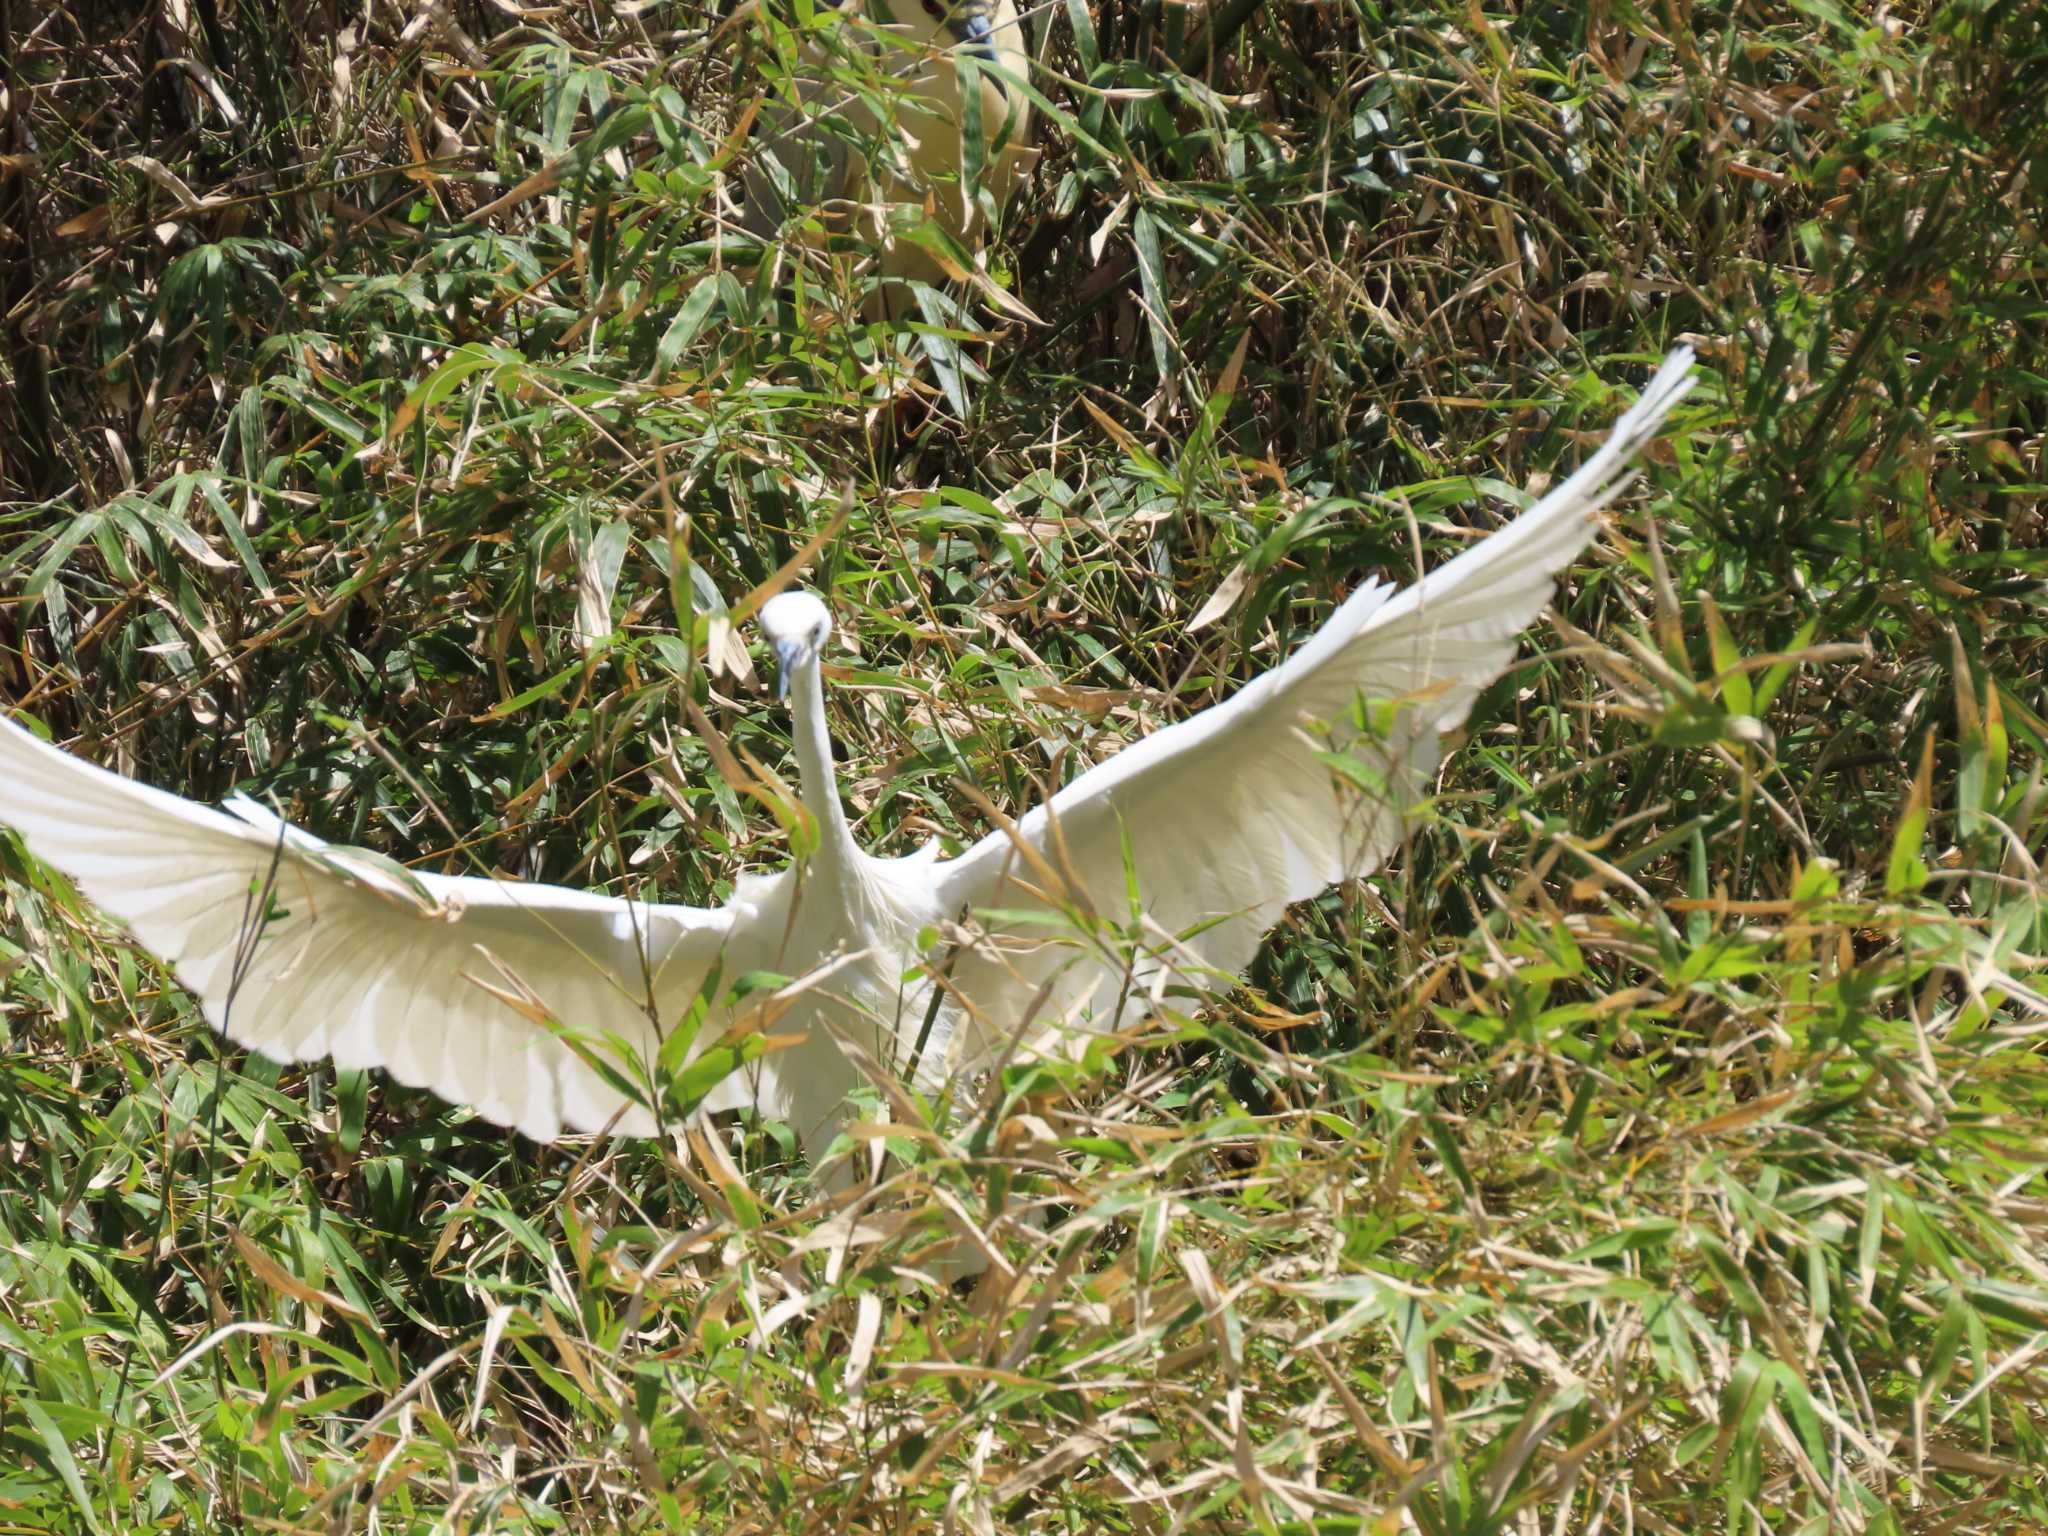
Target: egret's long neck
pixel 836 848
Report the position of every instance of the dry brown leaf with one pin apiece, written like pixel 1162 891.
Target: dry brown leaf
pixel 86 224
pixel 278 1278
pixel 1223 599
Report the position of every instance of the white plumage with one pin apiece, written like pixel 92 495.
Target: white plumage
pixel 1220 821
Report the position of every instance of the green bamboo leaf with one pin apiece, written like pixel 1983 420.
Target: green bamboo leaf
pixel 712 1068
pixel 1152 284
pixel 691 316
pixel 1905 873
pixel 1083 23
pixel 1729 1275
pixel 59 1447
pixel 937 339
pixel 68 539
pixel 1733 681
pixel 352 1098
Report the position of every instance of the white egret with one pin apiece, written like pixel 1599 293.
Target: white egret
pixel 464 985
pixel 926 39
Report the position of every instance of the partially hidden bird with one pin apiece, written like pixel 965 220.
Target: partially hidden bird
pixel 1166 862
pixel 796 164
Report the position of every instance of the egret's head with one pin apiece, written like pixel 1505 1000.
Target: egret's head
pixel 797 625
pixel 969 24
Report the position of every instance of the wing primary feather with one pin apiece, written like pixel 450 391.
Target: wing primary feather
pixel 1214 807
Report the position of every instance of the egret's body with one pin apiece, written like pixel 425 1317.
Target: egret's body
pixel 461 985
pixel 825 170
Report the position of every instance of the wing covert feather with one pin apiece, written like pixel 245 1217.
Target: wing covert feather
pixel 370 967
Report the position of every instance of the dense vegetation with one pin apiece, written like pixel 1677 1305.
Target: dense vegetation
pixel 1656 1145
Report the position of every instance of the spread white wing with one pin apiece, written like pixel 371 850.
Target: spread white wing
pixel 297 949
pixel 1221 821
pixel 373 965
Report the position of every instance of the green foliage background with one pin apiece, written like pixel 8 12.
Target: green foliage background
pixel 1655 1146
